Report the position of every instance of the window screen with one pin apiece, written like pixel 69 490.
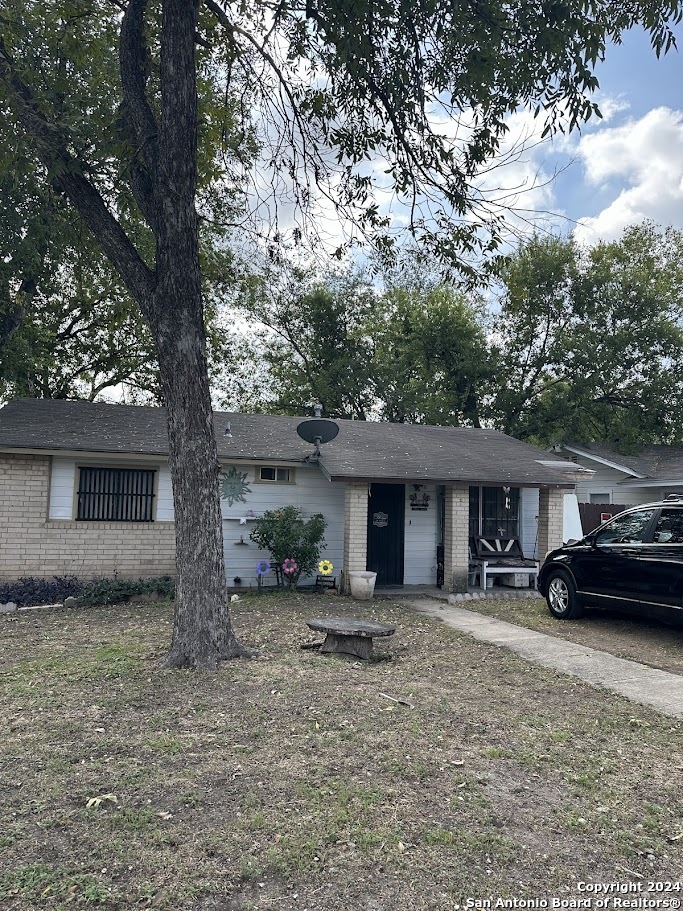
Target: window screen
pixel 116 495
pixel 269 473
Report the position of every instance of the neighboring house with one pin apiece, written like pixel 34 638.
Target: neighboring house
pixel 651 474
pixel 620 480
pixel 85 489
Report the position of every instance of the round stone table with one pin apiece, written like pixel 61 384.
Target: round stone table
pixel 348 636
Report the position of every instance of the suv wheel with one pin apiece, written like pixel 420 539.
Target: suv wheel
pixel 563 602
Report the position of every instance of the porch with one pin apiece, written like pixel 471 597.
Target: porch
pixel 380 534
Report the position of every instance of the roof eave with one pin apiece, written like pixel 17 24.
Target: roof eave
pixel 470 482
pixel 591 455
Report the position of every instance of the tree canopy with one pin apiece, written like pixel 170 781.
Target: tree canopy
pixel 582 344
pixel 412 352
pixel 590 343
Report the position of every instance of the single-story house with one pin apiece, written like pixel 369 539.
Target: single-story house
pixel 85 489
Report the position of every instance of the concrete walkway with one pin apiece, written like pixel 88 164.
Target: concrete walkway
pixel 659 689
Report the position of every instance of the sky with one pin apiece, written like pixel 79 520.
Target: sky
pixel 629 165
pixel 614 172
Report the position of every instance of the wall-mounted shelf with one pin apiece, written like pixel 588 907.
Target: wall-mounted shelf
pixel 241 518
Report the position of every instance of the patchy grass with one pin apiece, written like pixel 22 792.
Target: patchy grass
pixel 291 781
pixel 648 641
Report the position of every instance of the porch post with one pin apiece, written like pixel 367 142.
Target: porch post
pixel 550 520
pixel 355 530
pixel 456 532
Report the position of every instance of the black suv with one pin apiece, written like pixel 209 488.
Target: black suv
pixel 633 562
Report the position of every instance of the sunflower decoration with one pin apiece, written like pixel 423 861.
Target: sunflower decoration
pixel 289 566
pixel 262 568
pixel 325 568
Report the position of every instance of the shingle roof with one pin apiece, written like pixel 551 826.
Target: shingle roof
pixel 656 462
pixel 362 450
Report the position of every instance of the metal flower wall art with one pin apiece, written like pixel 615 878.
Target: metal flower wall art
pixel 234 486
pixel 420 499
pixel 289 566
pixel 325 567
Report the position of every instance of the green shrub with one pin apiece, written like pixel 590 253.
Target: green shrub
pixel 286 534
pixel 29 591
pixel 113 591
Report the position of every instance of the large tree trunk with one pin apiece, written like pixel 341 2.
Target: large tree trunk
pixel 202 634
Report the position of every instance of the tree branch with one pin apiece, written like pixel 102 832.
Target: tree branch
pixel 133 61
pixel 177 168
pixel 66 177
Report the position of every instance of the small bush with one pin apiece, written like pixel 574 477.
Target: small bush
pixel 286 534
pixel 28 591
pixel 113 591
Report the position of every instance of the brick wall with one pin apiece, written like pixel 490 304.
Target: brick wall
pixel 32 545
pixel 456 532
pixel 355 530
pixel 550 521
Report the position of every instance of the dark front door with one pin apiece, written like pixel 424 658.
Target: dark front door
pixel 386 520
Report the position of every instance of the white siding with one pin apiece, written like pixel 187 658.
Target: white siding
pixel 420 540
pixel 311 492
pixel 164 511
pixel 605 480
pixel 528 521
pixel 62 488
pixel 635 496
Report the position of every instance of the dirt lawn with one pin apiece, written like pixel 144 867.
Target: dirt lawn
pixel 291 781
pixel 650 642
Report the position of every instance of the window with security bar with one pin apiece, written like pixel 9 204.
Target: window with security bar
pixel 494 512
pixel 116 495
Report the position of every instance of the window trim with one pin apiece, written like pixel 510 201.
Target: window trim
pixel 126 466
pixel 259 480
pixel 600 493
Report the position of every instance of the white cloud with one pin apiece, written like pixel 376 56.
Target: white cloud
pixel 643 160
pixel 610 105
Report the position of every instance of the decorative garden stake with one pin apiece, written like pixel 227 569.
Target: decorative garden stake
pixel 325 568
pixel 262 569
pixel 289 566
